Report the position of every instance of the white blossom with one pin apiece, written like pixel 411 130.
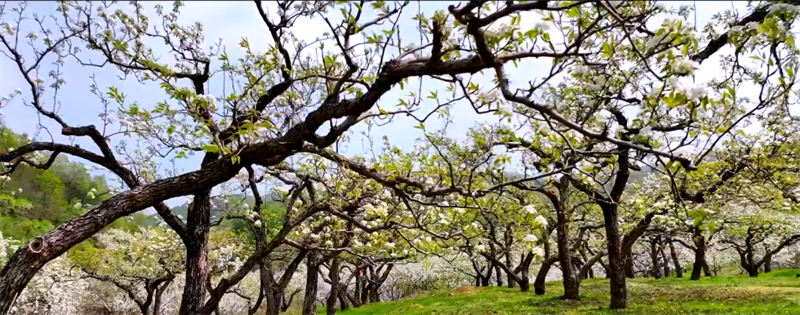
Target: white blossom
pixel 531 238
pixel 685 66
pixel 541 221
pixel 696 92
pixel 529 209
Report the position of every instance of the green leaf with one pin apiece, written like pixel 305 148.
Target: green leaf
pixel 211 148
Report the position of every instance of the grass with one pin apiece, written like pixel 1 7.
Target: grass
pixel 774 293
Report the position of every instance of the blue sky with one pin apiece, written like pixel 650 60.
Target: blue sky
pixel 230 21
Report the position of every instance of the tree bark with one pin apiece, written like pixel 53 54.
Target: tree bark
pixel 159 292
pixel 498 275
pixel 359 288
pixel 627 255
pixel 664 259
pixel 509 281
pixel 312 278
pixel 699 257
pixel 268 286
pixel 525 285
pixel 198 225
pixel 571 289
pixel 333 274
pixel 675 261
pixel 343 297
pixel 541 276
pixel 616 264
pixel 656 268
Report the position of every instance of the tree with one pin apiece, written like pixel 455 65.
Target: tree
pixel 147 259
pixel 281 100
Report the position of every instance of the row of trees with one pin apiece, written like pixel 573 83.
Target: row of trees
pixel 556 154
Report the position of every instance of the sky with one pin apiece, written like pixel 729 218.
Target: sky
pixel 232 20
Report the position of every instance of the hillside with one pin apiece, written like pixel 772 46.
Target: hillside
pixel 774 293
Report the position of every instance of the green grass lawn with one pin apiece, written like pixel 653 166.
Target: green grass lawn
pixel 774 293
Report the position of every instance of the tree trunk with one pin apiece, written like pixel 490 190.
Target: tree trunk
pixel 699 261
pixel 706 268
pixel 656 270
pixel 571 289
pixel 627 255
pixel 374 295
pixel 333 274
pixel 525 284
pixel 312 277
pixel 359 288
pixel 664 259
pixel 159 292
pixel 605 268
pixel 271 292
pixel 538 284
pixel 197 223
pixel 498 276
pixel 365 290
pixel 675 261
pixel 509 280
pixel 616 264
pixel 343 297
pixel 747 265
pixel 767 263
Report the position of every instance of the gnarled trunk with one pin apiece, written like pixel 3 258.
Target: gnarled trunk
pixel 197 228
pixel 312 277
pixel 333 274
pixel 616 264
pixel 571 289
